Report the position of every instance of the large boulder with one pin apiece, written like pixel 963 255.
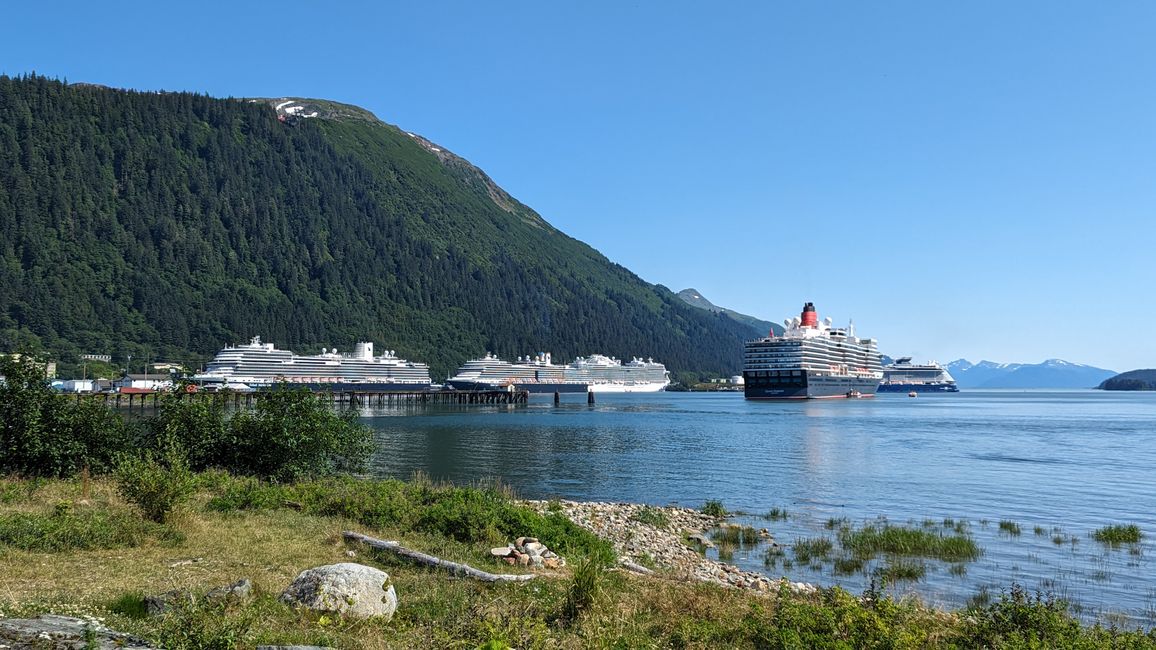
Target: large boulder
pixel 350 589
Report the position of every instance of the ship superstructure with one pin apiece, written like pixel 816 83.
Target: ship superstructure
pixel 536 374
pixel 902 376
pixel 259 365
pixel 609 375
pixel 811 360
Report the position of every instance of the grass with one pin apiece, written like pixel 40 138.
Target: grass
pixel 901 569
pixel 837 522
pixel 652 517
pixel 714 508
pixel 845 566
pixel 68 528
pixel 1009 527
pixel 581 607
pixel 808 549
pixel 1117 534
pixel 871 540
pixel 735 535
pixel 776 514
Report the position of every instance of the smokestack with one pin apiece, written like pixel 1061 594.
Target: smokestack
pixel 810 316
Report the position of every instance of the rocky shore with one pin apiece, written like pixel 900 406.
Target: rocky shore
pixel 666 548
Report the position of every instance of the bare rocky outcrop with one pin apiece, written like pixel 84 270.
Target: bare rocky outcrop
pixel 350 589
pixel 64 633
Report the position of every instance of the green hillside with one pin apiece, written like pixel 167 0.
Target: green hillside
pixel 169 224
pixel 1144 379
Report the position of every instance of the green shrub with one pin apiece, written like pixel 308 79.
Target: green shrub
pixel 1021 620
pixel 290 435
pixel 157 484
pixel 46 434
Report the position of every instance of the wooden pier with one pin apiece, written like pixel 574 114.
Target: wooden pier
pixel 348 398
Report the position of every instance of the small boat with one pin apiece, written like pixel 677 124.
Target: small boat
pixel 913 394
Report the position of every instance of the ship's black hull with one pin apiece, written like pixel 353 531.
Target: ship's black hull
pixel 900 387
pixel 529 387
pixel 804 387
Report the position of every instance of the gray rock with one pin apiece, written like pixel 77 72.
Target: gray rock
pixel 349 589
pixel 65 633
pixel 239 590
pixel 161 603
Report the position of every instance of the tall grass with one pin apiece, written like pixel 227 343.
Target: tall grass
pixel 1117 534
pixel 808 549
pixel 735 535
pixel 868 541
pixel 479 514
pixel 714 508
pixel 70 529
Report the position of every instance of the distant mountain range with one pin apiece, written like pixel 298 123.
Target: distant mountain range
pixel 1053 373
pixel 695 299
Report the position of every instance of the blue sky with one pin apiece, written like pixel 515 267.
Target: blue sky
pixel 969 180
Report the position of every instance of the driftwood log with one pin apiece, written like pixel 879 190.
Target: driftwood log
pixel 422 558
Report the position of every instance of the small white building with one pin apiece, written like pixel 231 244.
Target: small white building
pixel 79 386
pixel 143 382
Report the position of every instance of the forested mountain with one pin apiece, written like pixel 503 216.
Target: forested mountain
pixel 170 224
pixel 1132 380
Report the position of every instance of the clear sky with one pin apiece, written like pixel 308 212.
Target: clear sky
pixel 969 179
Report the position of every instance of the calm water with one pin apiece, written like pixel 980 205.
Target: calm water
pixel 1059 464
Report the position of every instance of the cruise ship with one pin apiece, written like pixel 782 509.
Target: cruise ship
pixel 811 360
pixel 904 377
pixel 260 365
pixel 537 374
pixel 609 375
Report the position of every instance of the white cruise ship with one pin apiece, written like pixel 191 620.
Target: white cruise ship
pixel 904 377
pixel 535 374
pixel 811 360
pixel 609 375
pixel 259 365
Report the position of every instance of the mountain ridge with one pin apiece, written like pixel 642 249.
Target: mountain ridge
pixel 171 224
pixel 1051 373
pixel 695 298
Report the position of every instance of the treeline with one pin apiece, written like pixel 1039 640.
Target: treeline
pixel 166 225
pixel 1131 380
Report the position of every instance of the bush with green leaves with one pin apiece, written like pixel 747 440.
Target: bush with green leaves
pixel 157 483
pixel 46 434
pixel 292 434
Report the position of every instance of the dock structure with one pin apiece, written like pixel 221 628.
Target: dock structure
pixel 348 398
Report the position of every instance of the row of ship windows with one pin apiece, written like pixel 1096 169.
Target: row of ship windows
pixel 775 373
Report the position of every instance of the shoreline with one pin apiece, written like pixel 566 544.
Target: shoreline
pixel 665 548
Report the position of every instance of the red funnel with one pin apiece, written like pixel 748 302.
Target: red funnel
pixel 810 316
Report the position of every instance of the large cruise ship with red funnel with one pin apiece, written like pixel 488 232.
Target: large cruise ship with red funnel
pixel 811 360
